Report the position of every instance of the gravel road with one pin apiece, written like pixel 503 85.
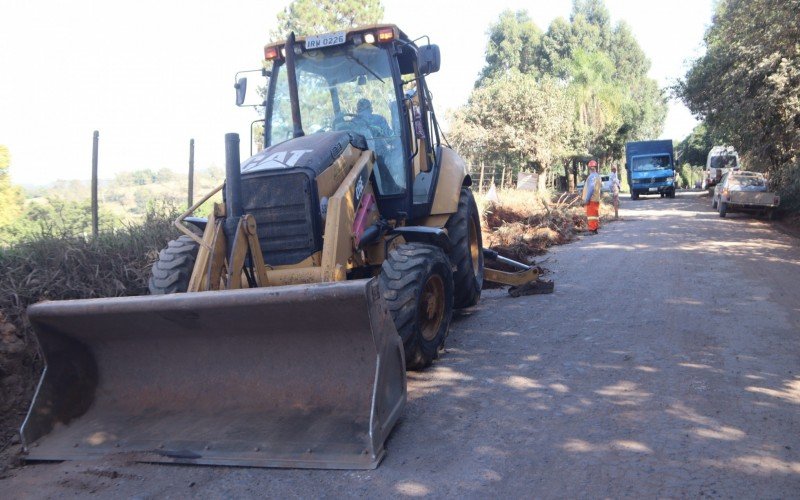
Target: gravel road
pixel 665 364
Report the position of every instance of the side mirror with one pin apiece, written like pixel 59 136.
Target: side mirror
pixel 429 59
pixel 241 90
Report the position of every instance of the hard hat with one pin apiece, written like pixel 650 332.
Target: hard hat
pixel 592 163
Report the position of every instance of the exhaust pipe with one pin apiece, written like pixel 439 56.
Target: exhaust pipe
pixel 233 188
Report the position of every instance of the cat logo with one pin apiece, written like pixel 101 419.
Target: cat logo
pixel 280 159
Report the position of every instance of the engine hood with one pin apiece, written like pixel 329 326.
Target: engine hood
pixel 315 152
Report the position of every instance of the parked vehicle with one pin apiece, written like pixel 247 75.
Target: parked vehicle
pixel 651 168
pixel 720 160
pixel 606 186
pixel 740 191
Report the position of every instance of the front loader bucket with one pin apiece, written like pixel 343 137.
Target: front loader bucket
pixel 307 376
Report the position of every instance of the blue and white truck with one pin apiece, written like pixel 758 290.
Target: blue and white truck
pixel 651 168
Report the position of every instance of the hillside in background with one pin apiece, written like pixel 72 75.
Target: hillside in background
pixel 63 208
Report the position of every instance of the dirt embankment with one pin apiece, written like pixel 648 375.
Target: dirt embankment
pixel 19 369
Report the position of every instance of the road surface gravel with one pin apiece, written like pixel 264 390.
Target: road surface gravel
pixel 665 364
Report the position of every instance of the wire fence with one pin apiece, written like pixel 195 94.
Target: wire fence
pixel 512 177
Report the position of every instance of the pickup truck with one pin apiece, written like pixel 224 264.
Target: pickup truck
pixel 740 191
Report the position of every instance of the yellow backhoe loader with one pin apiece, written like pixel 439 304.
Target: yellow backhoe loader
pixel 278 331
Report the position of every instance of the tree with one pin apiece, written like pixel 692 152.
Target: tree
pixel 600 68
pixel 518 119
pixel 597 99
pixel 695 147
pixel 308 17
pixel 747 86
pixel 513 40
pixel 606 70
pixel 11 199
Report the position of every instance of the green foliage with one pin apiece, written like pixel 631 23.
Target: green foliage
pixel 694 149
pixel 597 101
pixel 747 86
pixel 689 175
pixel 54 267
pixel 63 209
pixel 308 17
pixel 10 196
pixel 603 68
pixel 513 40
pixel 516 119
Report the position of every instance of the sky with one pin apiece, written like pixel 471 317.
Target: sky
pixel 150 75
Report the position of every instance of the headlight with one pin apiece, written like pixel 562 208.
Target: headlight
pixel 670 179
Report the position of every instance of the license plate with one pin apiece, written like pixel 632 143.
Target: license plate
pixel 653 189
pixel 326 40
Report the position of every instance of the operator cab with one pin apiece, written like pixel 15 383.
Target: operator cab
pixel 369 82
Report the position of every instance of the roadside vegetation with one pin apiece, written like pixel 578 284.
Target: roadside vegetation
pixel 522 225
pixel 548 101
pixel 746 89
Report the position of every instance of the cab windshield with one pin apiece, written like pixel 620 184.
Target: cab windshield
pixel 645 163
pixel 347 88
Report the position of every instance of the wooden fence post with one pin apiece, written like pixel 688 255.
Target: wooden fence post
pixel 191 172
pixel 480 183
pixel 503 178
pixel 95 219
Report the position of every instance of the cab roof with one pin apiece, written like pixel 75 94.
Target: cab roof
pixel 349 33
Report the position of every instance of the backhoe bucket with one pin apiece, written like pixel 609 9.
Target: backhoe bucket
pixel 309 376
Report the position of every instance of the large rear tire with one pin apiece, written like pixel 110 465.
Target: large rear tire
pixel 416 282
pixel 173 269
pixel 464 229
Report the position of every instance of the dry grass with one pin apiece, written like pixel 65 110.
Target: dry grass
pixel 523 224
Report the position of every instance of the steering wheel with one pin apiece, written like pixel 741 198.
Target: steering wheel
pixel 344 118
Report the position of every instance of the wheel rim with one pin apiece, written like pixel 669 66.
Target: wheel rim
pixel 431 307
pixel 474 247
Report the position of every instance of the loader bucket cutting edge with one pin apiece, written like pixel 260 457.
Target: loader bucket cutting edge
pixel 308 376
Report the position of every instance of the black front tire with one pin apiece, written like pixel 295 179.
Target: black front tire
pixel 634 195
pixel 416 281
pixel 173 269
pixel 464 229
pixel 723 209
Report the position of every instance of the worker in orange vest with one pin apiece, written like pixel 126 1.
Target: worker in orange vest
pixel 591 197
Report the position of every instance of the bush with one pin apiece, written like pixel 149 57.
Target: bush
pixel 56 266
pixel 523 224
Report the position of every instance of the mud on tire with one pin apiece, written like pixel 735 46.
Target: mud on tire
pixel 464 229
pixel 416 282
pixel 173 269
